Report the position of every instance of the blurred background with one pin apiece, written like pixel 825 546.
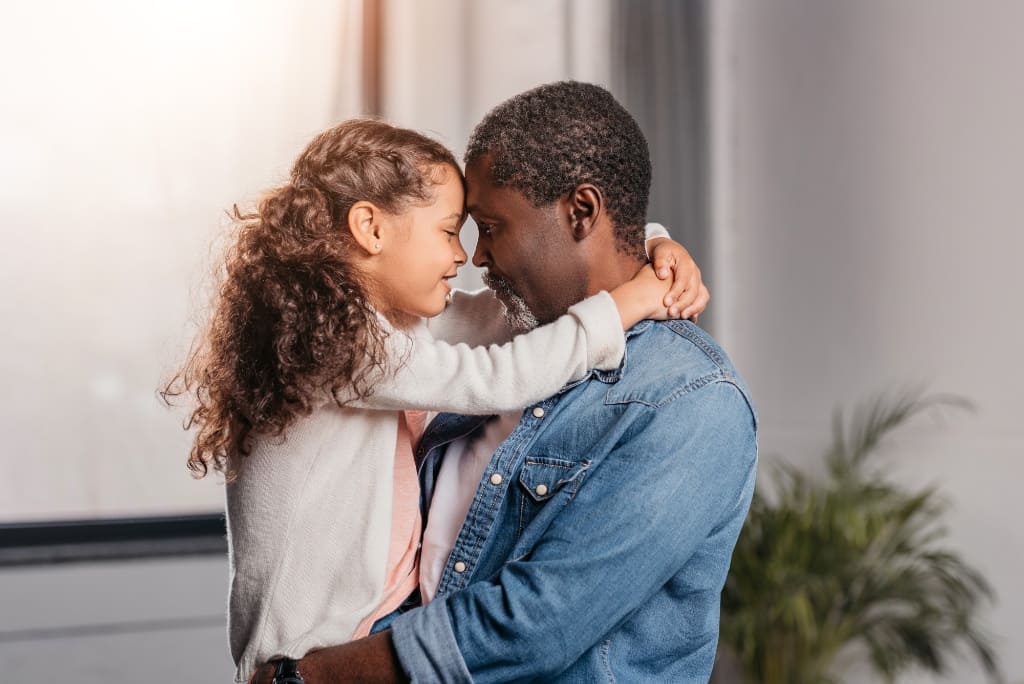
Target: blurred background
pixel 849 175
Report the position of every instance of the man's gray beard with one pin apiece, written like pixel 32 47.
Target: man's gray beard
pixel 517 313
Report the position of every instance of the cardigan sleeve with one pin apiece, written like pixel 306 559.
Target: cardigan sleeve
pixel 427 373
pixel 653 231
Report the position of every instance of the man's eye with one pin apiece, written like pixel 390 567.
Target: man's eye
pixel 484 228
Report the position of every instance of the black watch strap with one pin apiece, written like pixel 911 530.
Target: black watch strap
pixel 287 672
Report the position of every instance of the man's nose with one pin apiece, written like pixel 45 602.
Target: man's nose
pixel 481 258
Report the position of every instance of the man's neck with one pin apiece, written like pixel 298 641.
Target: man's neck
pixel 612 271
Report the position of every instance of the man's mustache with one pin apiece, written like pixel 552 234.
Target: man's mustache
pixel 499 284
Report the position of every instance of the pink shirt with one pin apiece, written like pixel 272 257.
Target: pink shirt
pixel 406 523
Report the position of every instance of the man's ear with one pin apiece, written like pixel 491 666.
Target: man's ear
pixel 364 222
pixel 585 205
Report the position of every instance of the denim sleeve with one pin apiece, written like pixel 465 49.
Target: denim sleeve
pixel 685 470
pixel 426 646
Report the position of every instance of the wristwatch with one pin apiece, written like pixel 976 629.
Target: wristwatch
pixel 287 672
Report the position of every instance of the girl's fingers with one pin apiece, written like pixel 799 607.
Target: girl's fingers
pixel 664 266
pixel 699 304
pixel 683 293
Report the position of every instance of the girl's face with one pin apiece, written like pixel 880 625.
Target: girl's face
pixel 422 252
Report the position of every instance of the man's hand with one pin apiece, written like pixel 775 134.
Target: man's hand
pixel 372 660
pixel 264 674
pixel 688 296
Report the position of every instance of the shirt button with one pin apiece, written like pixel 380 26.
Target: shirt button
pixel 460 567
pixel 541 490
pixel 496 479
pixel 538 412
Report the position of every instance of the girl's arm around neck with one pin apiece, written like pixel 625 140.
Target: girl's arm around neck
pixel 430 374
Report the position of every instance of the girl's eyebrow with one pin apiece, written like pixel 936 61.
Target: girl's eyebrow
pixel 452 216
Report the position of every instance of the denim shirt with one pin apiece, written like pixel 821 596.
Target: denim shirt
pixel 600 535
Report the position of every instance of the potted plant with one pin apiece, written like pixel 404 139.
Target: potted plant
pixel 851 563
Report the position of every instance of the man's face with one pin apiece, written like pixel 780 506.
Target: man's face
pixel 525 249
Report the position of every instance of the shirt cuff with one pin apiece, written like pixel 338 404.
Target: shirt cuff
pixel 426 646
pixel 606 342
pixel 654 230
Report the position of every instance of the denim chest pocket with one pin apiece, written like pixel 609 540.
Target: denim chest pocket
pixel 544 477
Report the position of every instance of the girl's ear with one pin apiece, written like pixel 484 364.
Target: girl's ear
pixel 364 222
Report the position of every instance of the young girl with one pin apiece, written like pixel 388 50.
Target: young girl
pixel 317 354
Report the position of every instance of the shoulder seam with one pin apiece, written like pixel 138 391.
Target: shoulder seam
pixel 680 329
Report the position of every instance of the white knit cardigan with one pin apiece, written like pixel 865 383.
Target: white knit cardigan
pixel 309 515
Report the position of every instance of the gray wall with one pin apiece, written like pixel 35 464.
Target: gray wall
pixel 868 174
pixel 157 621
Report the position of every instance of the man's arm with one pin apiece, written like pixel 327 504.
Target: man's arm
pixel 372 660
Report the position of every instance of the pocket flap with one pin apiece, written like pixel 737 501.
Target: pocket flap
pixel 543 476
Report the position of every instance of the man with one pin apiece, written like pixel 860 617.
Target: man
pixel 599 523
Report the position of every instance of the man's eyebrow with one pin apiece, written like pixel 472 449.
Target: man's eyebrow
pixel 476 209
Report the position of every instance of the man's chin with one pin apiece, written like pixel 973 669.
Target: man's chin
pixel 518 317
pixel 517 313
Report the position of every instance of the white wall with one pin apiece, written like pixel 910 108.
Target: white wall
pixel 869 168
pixel 127 129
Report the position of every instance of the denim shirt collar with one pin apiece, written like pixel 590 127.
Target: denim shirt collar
pixel 639 328
pixel 612 376
pixel 450 426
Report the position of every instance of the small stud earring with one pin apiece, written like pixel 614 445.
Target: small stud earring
pixel 376 245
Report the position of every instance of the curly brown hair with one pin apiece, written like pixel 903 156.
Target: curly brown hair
pixel 292 325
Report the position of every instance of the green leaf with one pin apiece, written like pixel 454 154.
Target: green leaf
pixel 852 559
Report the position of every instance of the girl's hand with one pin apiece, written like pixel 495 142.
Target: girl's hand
pixel 642 297
pixel 688 296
